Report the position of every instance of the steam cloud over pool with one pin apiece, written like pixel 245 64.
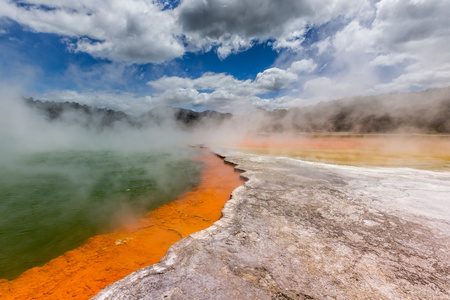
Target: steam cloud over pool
pixel 61 183
pixel 54 201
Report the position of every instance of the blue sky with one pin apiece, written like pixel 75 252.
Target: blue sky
pixel 227 55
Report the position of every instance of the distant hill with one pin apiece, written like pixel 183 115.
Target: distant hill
pixel 89 116
pixel 84 115
pixel 185 118
pixel 422 112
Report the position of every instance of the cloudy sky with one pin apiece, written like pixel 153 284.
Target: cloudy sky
pixel 228 55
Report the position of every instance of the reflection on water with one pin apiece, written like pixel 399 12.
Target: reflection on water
pixel 51 202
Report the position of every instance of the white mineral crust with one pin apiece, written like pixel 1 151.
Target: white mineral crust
pixel 303 230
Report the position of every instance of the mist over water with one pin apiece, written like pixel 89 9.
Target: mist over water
pixel 61 183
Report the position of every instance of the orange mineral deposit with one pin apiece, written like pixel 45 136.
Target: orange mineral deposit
pixel 104 259
pixel 421 151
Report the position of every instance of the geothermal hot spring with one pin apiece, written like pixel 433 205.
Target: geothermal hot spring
pixel 74 196
pixel 83 207
pixel 52 201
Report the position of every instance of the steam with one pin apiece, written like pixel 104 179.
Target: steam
pixel 23 129
pixel 67 179
pixel 26 130
pixel 64 142
pixel 403 113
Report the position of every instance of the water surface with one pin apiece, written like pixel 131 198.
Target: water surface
pixel 51 202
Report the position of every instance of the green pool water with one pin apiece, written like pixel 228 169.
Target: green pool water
pixel 51 202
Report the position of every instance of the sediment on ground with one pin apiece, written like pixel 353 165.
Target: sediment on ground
pixel 304 230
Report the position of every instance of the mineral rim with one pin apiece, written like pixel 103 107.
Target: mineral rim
pixel 304 230
pixel 103 259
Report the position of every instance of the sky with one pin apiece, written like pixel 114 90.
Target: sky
pixel 228 55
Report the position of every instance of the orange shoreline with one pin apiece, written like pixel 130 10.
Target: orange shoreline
pixel 104 259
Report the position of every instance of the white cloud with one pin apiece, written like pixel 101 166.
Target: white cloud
pixel 324 88
pixel 417 76
pixel 303 66
pixel 234 25
pixel 274 79
pixel 420 29
pixel 354 38
pixel 359 46
pixel 209 81
pixel 220 90
pixel 269 80
pixel 322 45
pixel 141 31
pixel 386 47
pixel 317 85
pixel 388 60
pixel 137 30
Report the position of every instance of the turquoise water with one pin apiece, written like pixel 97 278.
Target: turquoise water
pixel 51 202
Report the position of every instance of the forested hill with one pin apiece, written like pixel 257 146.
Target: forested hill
pixel 422 112
pixel 90 116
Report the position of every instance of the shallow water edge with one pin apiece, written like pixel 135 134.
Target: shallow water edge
pixel 107 258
